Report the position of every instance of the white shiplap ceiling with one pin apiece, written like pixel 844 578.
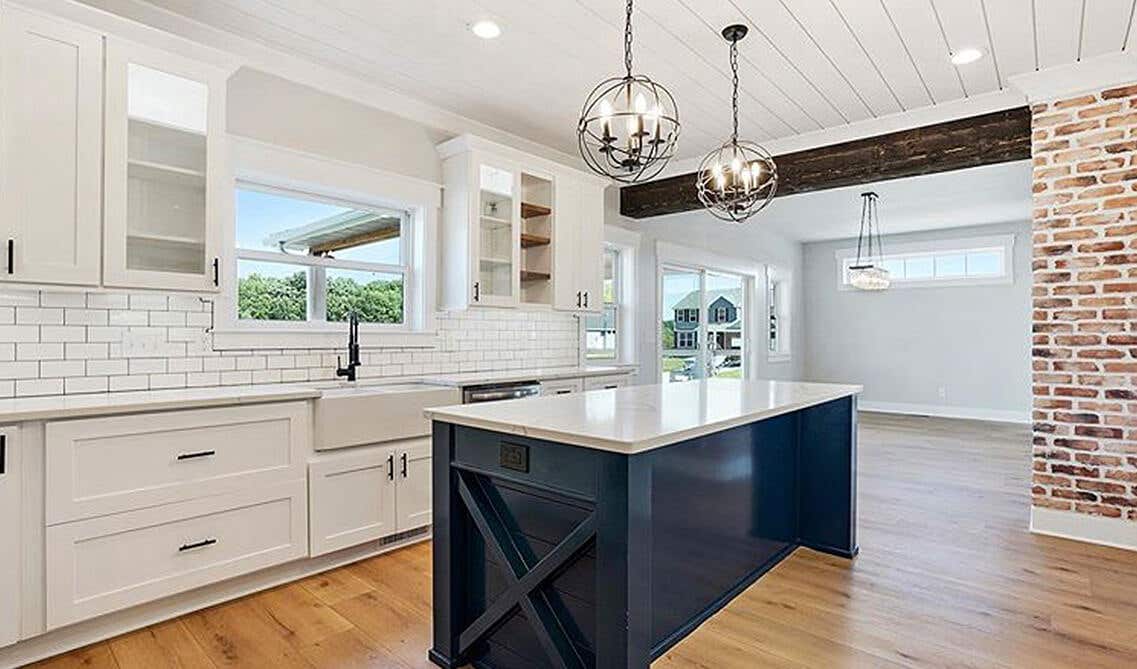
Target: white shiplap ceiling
pixel 808 65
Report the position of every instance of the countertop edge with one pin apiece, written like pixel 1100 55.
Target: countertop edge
pixel 630 446
pixel 91 405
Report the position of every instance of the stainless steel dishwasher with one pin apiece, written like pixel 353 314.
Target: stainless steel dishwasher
pixel 494 392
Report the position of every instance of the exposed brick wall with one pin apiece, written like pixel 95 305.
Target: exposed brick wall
pixel 1085 303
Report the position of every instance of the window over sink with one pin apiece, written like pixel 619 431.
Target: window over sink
pixel 311 240
pixel 307 258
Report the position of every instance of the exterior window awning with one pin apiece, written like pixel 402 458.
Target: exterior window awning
pixel 342 231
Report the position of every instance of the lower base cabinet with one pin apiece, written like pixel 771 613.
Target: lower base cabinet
pixel 109 563
pixel 368 493
pixel 10 530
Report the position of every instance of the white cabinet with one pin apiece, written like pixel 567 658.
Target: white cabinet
pixel 606 382
pixel 100 466
pixel 562 386
pixel 578 246
pixel 104 564
pixel 518 230
pixel 413 501
pixel 50 149
pixel 364 494
pixel 351 498
pixel 165 189
pixel 10 522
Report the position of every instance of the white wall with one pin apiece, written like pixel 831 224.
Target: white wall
pixel 697 230
pixel 281 112
pixel 904 345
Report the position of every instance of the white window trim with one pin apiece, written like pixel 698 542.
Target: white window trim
pixel 626 243
pixel 720 314
pixel 669 255
pixel 1006 243
pixel 290 170
pixel 782 277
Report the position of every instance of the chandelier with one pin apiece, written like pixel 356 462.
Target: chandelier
pixel 864 274
pixel 629 125
pixel 738 179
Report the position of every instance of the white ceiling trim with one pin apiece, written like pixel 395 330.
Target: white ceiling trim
pixel 1091 74
pixel 146 23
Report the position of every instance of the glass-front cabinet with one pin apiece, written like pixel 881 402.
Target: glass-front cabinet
pixel 495 245
pixel 164 192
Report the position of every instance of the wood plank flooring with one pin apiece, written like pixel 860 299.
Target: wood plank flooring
pixel 948 576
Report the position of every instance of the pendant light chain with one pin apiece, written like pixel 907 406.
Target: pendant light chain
pixel 628 40
pixel 734 83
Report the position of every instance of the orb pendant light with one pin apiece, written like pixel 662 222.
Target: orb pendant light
pixel 867 273
pixel 738 179
pixel 629 125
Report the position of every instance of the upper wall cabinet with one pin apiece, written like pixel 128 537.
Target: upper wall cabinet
pixel 50 149
pixel 165 182
pixel 517 230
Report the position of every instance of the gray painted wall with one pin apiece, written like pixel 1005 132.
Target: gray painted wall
pixel 904 345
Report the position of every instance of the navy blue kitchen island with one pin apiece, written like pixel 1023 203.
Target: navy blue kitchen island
pixel 599 529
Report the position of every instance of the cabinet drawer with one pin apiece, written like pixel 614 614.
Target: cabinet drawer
pixel 106 564
pixel 100 466
pixel 561 387
pixel 605 382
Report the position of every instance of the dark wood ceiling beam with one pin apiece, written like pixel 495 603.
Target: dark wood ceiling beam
pixel 997 137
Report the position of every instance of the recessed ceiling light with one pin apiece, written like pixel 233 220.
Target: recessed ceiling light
pixel 965 56
pixel 486 29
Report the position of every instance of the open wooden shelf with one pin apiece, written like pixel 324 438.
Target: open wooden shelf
pixel 530 210
pixel 527 275
pixel 529 241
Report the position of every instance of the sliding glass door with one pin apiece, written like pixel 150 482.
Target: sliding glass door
pixel 702 328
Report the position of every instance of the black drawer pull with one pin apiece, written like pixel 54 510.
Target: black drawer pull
pixel 390 466
pixel 11 256
pixel 217 271
pixel 404 458
pixel 194 456
pixel 197 544
pixel 3 454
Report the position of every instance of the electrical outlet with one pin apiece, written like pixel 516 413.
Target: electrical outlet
pixel 943 392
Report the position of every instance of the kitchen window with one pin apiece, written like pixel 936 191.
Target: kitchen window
pixel 306 258
pixel 958 262
pixel 602 330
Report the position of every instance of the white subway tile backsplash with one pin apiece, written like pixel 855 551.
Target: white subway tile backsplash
pixel 63 299
pixel 150 301
pixel 85 316
pixel 86 384
pixel 19 370
pixel 35 387
pixel 61 368
pixel 62 333
pixel 37 351
pixel 38 316
pixel 107 301
pixel 56 342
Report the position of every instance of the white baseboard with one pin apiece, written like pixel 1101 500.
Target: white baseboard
pixel 113 624
pixel 942 411
pixel 1115 532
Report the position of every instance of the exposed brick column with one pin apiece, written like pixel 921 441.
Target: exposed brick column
pixel 1085 303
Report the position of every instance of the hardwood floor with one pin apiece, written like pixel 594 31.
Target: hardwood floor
pixel 948 576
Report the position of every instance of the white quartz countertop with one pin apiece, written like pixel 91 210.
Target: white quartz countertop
pixel 103 404
pixel 640 418
pixel 514 375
